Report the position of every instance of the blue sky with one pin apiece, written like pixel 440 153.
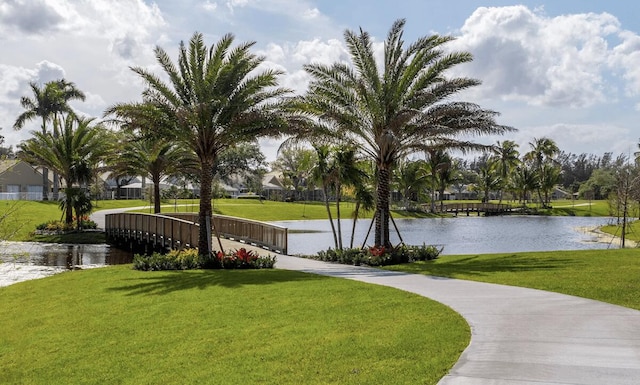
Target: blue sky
pixel 568 70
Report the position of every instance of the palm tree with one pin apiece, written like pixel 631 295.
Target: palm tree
pixel 411 180
pixel 489 179
pixel 402 108
pixel 543 151
pixel 218 97
pixel 439 169
pixel 365 201
pixel 507 155
pixel 144 150
pixel 324 173
pixel 71 154
pixel 347 173
pixel 48 103
pixel 524 180
pixel 154 158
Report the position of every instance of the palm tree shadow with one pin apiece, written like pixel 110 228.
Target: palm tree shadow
pixel 167 282
pixel 479 266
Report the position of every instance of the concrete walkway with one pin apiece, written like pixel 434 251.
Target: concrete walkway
pixel 519 336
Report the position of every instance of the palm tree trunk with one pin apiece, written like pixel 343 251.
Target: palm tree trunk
pixel 204 216
pixel 382 208
pixel 45 184
pixel 156 194
pixel 69 206
pixel 356 212
pixel 338 198
pixel 333 227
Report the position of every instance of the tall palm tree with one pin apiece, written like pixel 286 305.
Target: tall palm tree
pixel 401 108
pixel 71 154
pixel 218 97
pixel 48 103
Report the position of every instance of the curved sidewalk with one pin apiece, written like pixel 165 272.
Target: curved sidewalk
pixel 519 336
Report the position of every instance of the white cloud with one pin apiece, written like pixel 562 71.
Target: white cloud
pixel 523 55
pixel 311 13
pixel 209 6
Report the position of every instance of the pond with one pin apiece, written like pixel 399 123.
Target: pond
pixel 462 235
pixel 65 255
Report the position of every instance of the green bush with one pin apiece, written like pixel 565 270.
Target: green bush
pixel 379 256
pixel 60 226
pixel 189 259
pixel 55 225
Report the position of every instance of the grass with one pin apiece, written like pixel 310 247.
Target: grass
pixel 632 231
pixel 119 326
pixel 86 237
pixel 611 276
pixel 26 215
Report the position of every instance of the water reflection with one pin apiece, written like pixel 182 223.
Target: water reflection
pixel 66 255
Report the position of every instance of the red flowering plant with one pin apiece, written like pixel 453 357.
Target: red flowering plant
pixel 244 259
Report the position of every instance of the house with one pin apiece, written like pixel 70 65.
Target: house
pixel 19 181
pixel 271 185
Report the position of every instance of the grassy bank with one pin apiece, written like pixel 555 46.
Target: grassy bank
pixel 606 275
pixel 119 326
pixel 632 232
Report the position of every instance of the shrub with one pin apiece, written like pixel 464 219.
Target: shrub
pixel 379 256
pixel 189 259
pixel 55 226
pixel 60 226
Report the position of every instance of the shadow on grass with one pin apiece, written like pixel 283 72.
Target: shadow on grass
pixel 166 282
pixel 485 265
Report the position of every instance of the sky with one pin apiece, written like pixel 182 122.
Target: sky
pixel 568 70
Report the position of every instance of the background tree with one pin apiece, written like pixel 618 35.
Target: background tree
pixel 218 97
pixel 411 180
pixel 71 154
pixel 543 151
pixel 242 163
pixel 507 157
pixel 49 103
pixel 155 158
pixel 402 108
pixel 296 164
pixel 489 179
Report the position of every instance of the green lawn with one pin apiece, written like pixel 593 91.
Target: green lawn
pixel 632 231
pixel 606 275
pixel 115 325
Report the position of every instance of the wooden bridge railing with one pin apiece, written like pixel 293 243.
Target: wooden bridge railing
pixel 160 230
pixel 255 232
pixel 180 230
